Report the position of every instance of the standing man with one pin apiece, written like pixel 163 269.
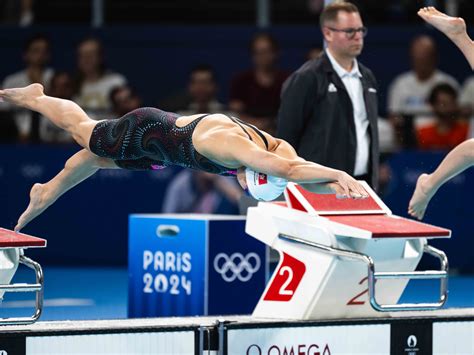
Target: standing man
pixel 329 108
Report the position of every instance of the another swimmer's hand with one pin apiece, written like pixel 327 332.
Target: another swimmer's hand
pixel 349 187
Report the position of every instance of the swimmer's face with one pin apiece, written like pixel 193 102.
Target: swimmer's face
pixel 345 36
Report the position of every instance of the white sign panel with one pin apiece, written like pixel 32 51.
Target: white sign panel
pixel 453 338
pixel 350 339
pixel 163 343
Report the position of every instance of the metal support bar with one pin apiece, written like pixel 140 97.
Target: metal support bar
pixel 20 288
pixel 38 288
pixel 372 276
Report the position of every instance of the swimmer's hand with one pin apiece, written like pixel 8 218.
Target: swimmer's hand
pixel 348 187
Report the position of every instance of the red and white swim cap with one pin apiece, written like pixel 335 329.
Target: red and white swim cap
pixel 264 187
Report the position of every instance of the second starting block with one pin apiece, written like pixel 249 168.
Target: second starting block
pixel 12 247
pixel 341 258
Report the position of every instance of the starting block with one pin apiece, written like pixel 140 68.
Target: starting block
pixel 12 246
pixel 341 258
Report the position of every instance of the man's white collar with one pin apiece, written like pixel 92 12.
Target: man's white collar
pixel 340 70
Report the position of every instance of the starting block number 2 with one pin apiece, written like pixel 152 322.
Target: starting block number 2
pixel 357 299
pixel 286 280
pixel 289 275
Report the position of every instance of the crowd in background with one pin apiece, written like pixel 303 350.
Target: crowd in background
pixel 426 107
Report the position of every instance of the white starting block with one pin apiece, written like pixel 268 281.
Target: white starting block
pixel 336 253
pixel 12 247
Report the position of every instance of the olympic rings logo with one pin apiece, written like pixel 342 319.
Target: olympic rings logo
pixel 237 266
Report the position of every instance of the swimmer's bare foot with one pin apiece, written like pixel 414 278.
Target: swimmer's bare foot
pixel 22 96
pixel 421 197
pixel 39 201
pixel 450 26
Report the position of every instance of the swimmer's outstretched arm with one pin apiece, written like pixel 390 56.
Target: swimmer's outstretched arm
pixel 458 160
pixel 240 150
pixel 79 167
pixel 453 27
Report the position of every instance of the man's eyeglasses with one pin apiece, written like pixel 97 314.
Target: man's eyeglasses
pixel 351 32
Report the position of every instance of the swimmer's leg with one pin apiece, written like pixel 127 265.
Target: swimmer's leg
pixel 78 168
pixel 65 114
pixel 457 160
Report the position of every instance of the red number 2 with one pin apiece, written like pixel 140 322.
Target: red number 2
pixel 355 301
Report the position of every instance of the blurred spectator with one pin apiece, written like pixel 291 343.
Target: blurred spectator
pixel 94 80
pixel 17 12
pixel 407 94
pixel 62 86
pixel 314 53
pixel 124 100
pixel 448 129
pixel 255 93
pixel 194 191
pixel 36 55
pixel 202 90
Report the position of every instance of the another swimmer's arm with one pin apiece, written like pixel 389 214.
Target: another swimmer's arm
pixel 458 160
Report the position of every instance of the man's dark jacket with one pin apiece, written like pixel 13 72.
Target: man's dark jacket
pixel 316 117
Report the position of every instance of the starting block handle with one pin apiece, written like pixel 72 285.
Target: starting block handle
pixel 442 275
pixel 38 288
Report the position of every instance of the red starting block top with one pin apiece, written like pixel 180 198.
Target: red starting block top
pixel 329 204
pixel 382 226
pixel 369 214
pixel 11 239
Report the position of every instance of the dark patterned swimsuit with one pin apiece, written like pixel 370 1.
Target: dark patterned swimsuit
pixel 148 138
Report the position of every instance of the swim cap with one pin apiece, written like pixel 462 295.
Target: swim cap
pixel 264 187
